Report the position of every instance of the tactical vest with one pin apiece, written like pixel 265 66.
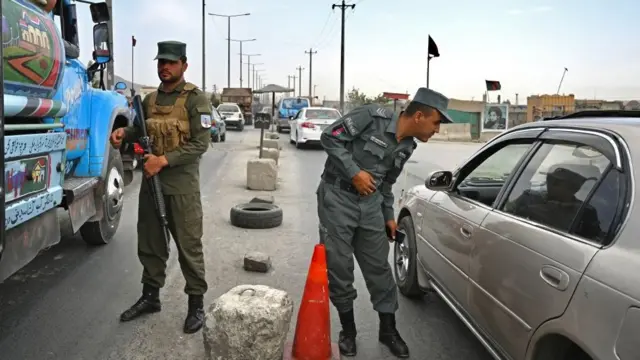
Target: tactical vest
pixel 168 126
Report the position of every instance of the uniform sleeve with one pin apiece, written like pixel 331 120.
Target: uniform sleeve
pixel 198 106
pixel 387 189
pixel 344 130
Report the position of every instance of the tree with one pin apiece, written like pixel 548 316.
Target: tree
pixel 214 100
pixel 357 98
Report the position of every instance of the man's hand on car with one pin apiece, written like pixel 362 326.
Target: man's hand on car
pixel 364 183
pixel 391 230
pixel 116 137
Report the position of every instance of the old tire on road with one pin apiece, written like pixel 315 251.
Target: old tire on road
pixel 256 216
pixel 405 264
pixel 110 195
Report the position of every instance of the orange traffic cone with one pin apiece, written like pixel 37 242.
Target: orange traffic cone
pixel 312 340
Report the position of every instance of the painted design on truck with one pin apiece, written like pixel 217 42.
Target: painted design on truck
pixel 32 56
pixel 26 176
pixel 23 145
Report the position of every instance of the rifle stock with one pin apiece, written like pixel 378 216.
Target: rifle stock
pixel 154 182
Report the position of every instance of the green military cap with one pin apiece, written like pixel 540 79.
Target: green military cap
pixel 435 100
pixel 171 50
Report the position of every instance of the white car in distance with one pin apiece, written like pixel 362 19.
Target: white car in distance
pixel 308 124
pixel 232 115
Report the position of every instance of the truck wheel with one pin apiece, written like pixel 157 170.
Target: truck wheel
pixel 240 127
pixel 405 257
pixel 109 195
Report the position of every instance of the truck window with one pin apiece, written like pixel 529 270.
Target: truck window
pixel 66 20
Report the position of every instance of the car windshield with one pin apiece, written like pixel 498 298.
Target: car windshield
pixel 295 103
pixel 228 108
pixel 322 114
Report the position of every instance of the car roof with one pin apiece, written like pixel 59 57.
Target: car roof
pixel 234 104
pixel 319 108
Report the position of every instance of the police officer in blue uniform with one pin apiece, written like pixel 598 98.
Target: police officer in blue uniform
pixel 367 150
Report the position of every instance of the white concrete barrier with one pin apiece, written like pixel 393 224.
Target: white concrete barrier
pixel 270 144
pixel 454 132
pixel 269 153
pixel 271 135
pixel 248 322
pixel 262 174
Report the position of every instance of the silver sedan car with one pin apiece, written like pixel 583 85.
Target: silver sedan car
pixel 532 241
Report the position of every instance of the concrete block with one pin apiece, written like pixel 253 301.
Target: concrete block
pixel 272 135
pixel 271 144
pixel 262 174
pixel 269 153
pixel 248 322
pixel 265 199
pixel 257 262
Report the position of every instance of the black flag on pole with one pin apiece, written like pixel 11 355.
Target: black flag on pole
pixel 433 48
pixel 493 85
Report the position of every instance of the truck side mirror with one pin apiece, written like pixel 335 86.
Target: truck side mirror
pixel 120 86
pixel 99 12
pixel 101 52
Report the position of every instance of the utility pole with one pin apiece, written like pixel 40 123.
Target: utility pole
pixel 300 68
pixel 229 42
pixel 294 84
pixel 311 53
pixel 204 61
pixel 240 42
pixel 249 67
pixel 342 7
pixel 110 66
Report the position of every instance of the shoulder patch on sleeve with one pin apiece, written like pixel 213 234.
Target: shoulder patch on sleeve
pixel 381 112
pixel 205 121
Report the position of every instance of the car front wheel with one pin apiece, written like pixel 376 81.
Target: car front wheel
pixel 405 269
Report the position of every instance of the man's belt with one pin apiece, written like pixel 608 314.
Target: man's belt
pixel 344 185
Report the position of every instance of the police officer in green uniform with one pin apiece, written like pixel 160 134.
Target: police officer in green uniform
pixel 367 149
pixel 178 119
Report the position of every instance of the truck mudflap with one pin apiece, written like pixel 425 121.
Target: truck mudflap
pixel 25 241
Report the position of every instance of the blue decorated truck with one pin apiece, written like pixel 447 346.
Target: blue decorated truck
pixel 56 130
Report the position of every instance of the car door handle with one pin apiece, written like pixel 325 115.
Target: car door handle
pixel 555 277
pixel 466 231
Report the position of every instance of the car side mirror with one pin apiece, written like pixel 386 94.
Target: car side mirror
pixel 439 180
pixel 290 117
pixel 224 118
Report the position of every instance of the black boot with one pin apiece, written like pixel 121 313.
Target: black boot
pixel 148 303
pixel 347 339
pixel 390 337
pixel 195 314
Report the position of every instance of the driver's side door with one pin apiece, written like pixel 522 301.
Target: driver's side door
pixel 452 217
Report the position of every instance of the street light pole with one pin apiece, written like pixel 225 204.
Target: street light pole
pixel 240 42
pixel 253 81
pixel 229 42
pixel 249 65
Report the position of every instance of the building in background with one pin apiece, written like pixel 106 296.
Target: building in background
pixel 632 105
pixel 542 106
pixel 589 104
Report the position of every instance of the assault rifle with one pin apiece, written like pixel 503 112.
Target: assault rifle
pixel 154 182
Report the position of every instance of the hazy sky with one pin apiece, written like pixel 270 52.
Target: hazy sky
pixel 523 44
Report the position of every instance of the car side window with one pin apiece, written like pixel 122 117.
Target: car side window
pixel 484 182
pixel 555 184
pixel 596 219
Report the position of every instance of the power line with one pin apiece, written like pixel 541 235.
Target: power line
pixel 342 7
pixel 311 53
pixel 324 26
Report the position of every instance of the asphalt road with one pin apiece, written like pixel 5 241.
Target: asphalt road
pixel 65 305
